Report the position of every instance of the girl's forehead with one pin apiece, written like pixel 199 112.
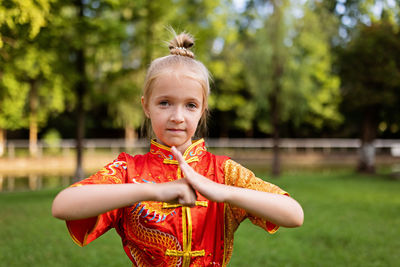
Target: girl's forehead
pixel 179 74
pixel 172 82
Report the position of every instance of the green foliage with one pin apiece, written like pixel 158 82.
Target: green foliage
pixel 12 101
pixel 25 61
pixel 143 29
pixel 245 50
pixel 309 78
pixel 27 13
pixel 370 68
pixel 300 48
pixel 37 64
pixel 370 74
pixel 52 138
pixel 124 102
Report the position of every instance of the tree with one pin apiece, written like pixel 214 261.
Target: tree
pixel 290 72
pixel 276 35
pixel 370 73
pixel 20 23
pixel 229 95
pixel 213 25
pixel 356 17
pixel 36 67
pixel 144 24
pixel 90 50
pixel 309 78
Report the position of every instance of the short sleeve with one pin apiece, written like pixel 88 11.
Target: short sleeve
pixel 237 175
pixel 84 231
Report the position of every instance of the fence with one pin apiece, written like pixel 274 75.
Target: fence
pixel 293 145
pixel 30 170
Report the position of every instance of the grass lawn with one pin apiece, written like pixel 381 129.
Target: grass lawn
pixel 350 220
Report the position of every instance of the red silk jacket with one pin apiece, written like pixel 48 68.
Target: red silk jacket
pixel 163 234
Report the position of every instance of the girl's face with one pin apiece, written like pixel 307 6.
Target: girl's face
pixel 174 107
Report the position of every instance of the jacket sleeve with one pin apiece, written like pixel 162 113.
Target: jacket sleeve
pixel 84 231
pixel 239 176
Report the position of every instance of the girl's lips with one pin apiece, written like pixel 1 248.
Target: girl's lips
pixel 176 130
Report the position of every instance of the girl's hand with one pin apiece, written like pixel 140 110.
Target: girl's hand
pixel 178 191
pixel 279 209
pixel 209 189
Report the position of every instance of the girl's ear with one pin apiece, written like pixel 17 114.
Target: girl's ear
pixel 146 112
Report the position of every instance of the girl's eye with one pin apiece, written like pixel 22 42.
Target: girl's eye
pixel 191 105
pixel 163 103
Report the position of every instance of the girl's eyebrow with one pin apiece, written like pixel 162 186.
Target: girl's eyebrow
pixel 162 96
pixel 193 99
pixel 169 97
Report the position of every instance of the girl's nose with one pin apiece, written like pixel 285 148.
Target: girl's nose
pixel 177 115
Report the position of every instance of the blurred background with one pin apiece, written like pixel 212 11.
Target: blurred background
pixel 302 89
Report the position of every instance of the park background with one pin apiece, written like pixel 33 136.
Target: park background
pixel 305 92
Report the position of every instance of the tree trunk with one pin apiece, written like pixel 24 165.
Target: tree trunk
pixel 277 63
pixel 33 121
pixel 2 141
pixel 275 114
pixel 80 129
pixel 149 19
pixel 130 137
pixel 223 124
pixel 366 162
pixel 81 88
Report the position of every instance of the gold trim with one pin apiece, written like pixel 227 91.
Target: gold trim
pixel 184 233
pixel 179 173
pixel 195 143
pixel 187 252
pixel 76 241
pixel 166 205
pixel 192 159
pixel 173 161
pixel 224 255
pixel 202 203
pixel 187 233
pixel 170 161
pixel 177 253
pixel 190 234
pixel 187 227
pixel 160 145
pixel 76 185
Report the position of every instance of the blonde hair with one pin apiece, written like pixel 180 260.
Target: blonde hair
pixel 181 59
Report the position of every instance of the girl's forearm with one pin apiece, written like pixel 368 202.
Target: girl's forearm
pixel 91 200
pixel 279 209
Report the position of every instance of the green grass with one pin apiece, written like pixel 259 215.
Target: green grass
pixel 350 220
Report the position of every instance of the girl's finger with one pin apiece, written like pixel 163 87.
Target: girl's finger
pixel 177 154
pixel 182 163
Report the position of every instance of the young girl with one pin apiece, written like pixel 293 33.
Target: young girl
pixel 177 205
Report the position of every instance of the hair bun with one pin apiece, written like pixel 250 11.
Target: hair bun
pixel 181 45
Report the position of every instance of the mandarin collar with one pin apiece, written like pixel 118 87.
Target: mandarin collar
pixel 192 153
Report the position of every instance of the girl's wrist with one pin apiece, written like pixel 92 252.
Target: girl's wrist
pixel 226 193
pixel 142 192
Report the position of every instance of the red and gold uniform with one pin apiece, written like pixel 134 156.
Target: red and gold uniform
pixel 164 234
